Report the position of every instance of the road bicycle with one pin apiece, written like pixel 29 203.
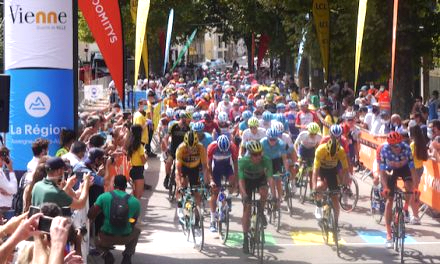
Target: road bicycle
pixel 398 223
pixel 288 192
pixel 349 194
pixel 192 222
pixel 302 181
pixel 223 208
pixel 328 223
pixel 172 183
pixel 256 233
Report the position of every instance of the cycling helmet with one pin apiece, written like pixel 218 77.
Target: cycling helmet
pixel 259 103
pixel 267 116
pixel 236 101
pixel 394 138
pixel 281 106
pixel 185 114
pixel 169 113
pixel 278 126
pixel 336 130
pixel 191 139
pixel 280 118
pixel 254 147
pixel 332 146
pixel 226 98
pixel 197 116
pixel 246 115
pixel 313 128
pixel 223 143
pixel 253 122
pixel 250 102
pixel 223 117
pixel 272 133
pixel 198 126
pixel 292 105
pixel 303 102
pixel 189 101
pixel 269 97
pixel 190 109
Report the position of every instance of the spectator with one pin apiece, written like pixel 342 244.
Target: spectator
pixel 39 149
pixel 53 189
pixel 140 118
pixel 67 137
pixel 8 182
pixel 76 153
pixel 433 105
pixel 92 127
pixel 370 117
pixel 434 136
pixel 396 123
pixel 38 175
pixel 137 157
pixel 110 235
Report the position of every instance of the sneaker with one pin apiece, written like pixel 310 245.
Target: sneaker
pixel 212 227
pixel 108 258
pixel 406 218
pixel 166 182
pixel 415 221
pixel 389 244
pixel 126 259
pixel 245 244
pixel 318 213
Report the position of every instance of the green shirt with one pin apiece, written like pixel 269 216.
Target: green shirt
pixel 61 152
pixel 47 191
pixel 104 202
pixel 249 170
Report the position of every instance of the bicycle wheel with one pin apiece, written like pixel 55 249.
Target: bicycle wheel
pixel 278 218
pixel 172 185
pixel 269 211
pixel 288 196
pixel 303 183
pixel 401 237
pixel 197 229
pixel 259 239
pixel 252 242
pixel 375 207
pixel 349 196
pixel 333 228
pixel 223 225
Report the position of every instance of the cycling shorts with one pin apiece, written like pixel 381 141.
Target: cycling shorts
pixel 193 175
pixel 221 170
pixel 252 184
pixel 403 172
pixel 330 176
pixel 277 165
pixel 307 155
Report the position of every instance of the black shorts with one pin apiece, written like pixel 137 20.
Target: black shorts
pixel 252 184
pixel 172 153
pixel 277 165
pixel 404 173
pixel 193 175
pixel 330 176
pixel 307 155
pixel 137 173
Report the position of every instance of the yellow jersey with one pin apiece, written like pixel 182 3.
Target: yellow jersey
pixel 136 157
pixel 191 157
pixel 141 120
pixel 417 163
pixel 324 160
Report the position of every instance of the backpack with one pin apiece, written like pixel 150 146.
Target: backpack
pixel 119 210
pixel 17 199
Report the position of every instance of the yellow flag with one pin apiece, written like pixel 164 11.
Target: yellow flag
pixel 360 34
pixel 143 7
pixel 321 16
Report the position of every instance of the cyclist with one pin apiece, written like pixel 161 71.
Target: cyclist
pixel 305 145
pixel 270 105
pixel 254 132
pixel 190 155
pixel 259 108
pixel 210 124
pixel 290 150
pixel 177 132
pixel 223 124
pixel 305 116
pixel 265 121
pixel 254 171
pixel 220 155
pixel 204 137
pixel 325 173
pixel 275 149
pixel 163 128
pixel 244 123
pixel 395 155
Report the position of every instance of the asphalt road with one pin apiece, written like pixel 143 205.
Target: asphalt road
pixel 298 241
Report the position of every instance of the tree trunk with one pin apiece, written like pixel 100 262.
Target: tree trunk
pixel 248 42
pixel 303 75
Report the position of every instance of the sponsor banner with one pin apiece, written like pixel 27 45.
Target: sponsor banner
pixel 133 11
pixel 38 34
pixel 41 106
pixel 93 92
pixel 360 34
pixel 185 48
pixel 167 45
pixel 143 8
pixel 321 15
pixel 104 20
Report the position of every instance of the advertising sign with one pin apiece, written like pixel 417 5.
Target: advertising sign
pixel 41 105
pixel 321 15
pixel 38 34
pixel 93 92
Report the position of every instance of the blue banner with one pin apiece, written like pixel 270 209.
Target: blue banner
pixel 41 105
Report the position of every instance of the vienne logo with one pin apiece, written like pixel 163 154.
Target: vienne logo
pixel 20 16
pixel 37 104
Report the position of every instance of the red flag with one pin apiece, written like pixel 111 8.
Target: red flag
pixel 262 48
pixel 393 48
pixel 104 20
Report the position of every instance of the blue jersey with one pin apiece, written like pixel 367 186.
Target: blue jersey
pixel 275 151
pixel 207 140
pixel 243 125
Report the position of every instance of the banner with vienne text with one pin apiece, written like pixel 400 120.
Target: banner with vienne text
pixel 104 20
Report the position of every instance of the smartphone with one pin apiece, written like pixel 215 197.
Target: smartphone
pixel 33 210
pixel 44 224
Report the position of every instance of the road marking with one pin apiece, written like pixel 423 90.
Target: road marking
pixel 379 237
pixel 235 239
pixel 311 238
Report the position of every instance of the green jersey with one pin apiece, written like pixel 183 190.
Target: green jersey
pixel 249 170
